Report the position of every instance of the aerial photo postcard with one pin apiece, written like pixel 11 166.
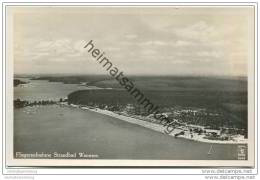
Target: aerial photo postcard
pixel 130 86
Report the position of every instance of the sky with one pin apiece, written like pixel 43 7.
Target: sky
pixel 137 40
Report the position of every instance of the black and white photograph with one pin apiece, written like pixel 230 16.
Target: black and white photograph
pixel 130 85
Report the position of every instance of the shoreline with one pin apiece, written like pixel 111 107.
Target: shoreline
pixel 158 127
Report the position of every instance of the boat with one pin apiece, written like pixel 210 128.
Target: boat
pixel 210 150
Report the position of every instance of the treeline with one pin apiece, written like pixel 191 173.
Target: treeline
pixel 198 99
pixel 158 82
pixel 23 103
pixel 73 79
pixel 17 82
pixel 211 100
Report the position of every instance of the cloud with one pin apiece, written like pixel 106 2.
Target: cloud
pixel 131 36
pixel 56 50
pixel 171 40
pixel 154 43
pixel 213 54
pixel 79 46
pixel 182 43
pixel 113 49
pixel 200 31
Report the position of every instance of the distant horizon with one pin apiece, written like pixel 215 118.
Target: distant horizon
pixel 159 41
pixel 141 75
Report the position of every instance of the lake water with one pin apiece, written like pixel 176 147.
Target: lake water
pixel 44 90
pixel 53 128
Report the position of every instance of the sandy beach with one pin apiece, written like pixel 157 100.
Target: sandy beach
pixel 161 128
